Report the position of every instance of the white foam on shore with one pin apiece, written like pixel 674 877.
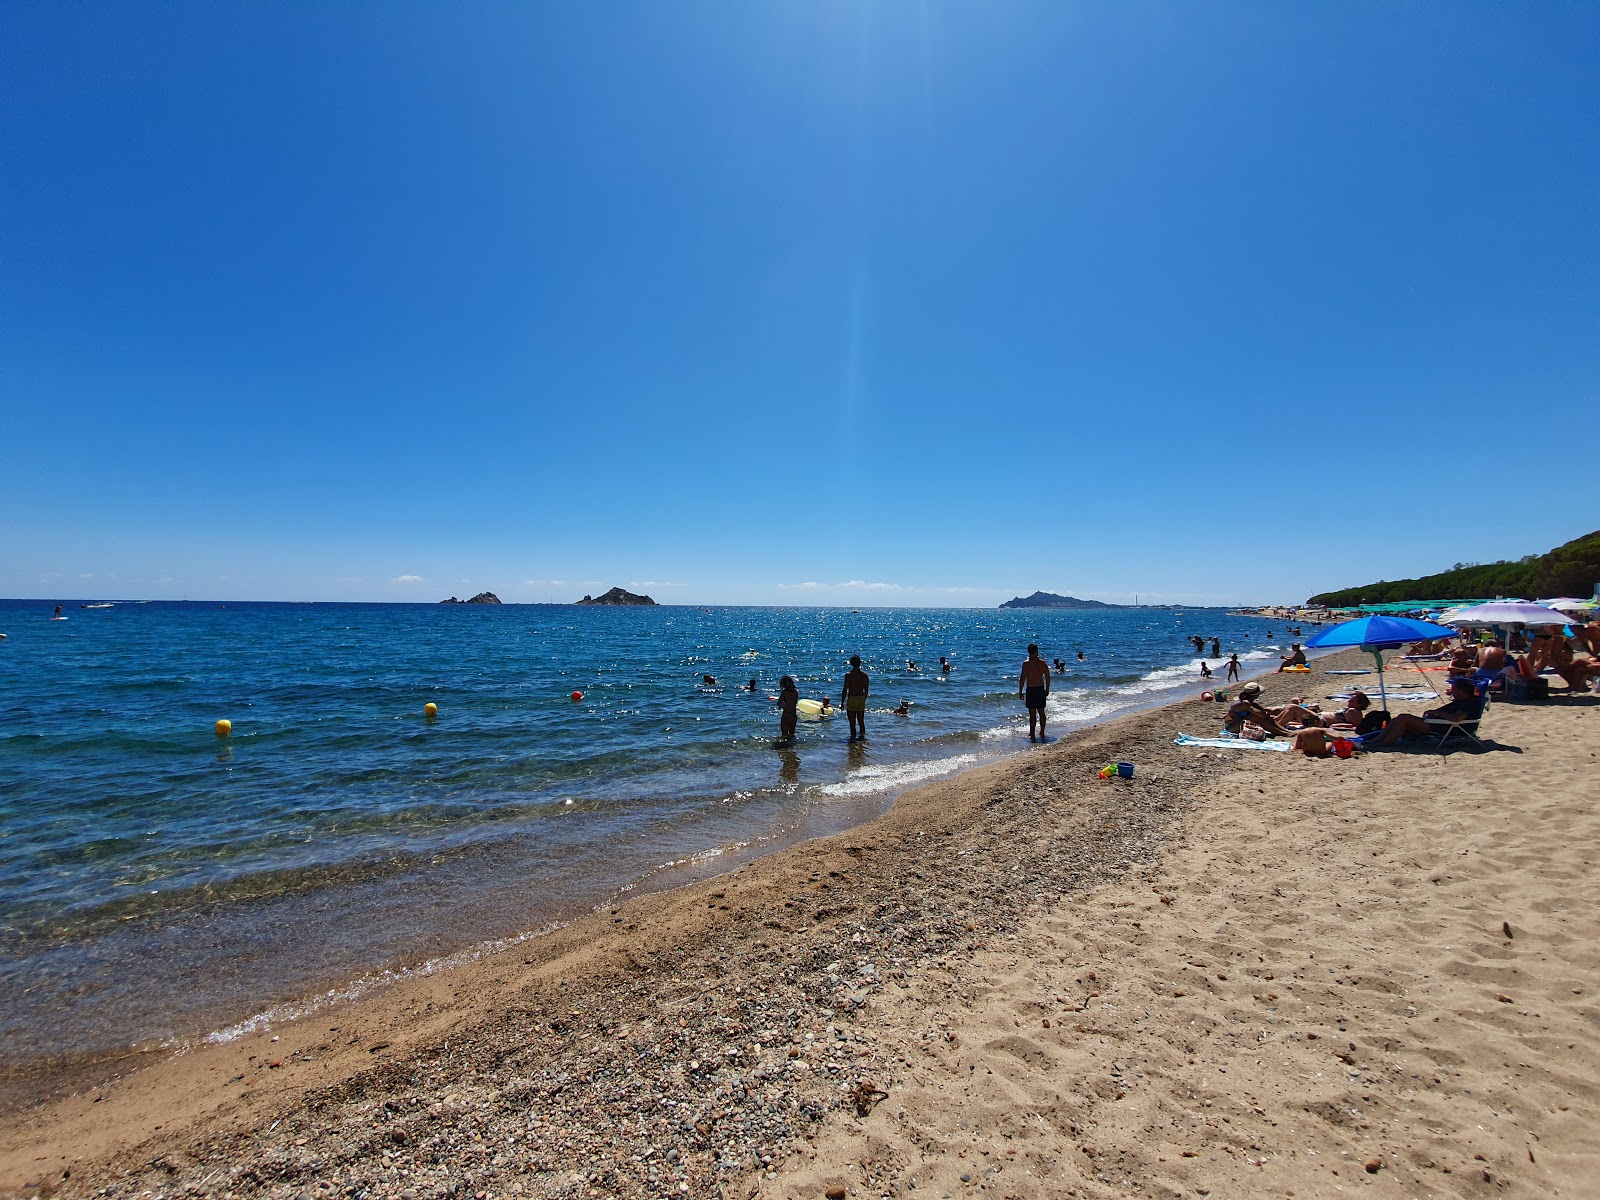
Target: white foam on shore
pixel 868 780
pixel 356 988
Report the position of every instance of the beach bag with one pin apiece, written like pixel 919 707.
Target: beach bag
pixel 1373 722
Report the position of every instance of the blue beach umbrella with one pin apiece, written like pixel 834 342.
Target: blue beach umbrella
pixel 1378 634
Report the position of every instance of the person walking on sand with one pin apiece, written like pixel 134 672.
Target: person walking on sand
pixel 854 699
pixel 1233 667
pixel 788 704
pixel 1033 687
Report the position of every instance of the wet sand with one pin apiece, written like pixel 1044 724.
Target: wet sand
pixel 1236 973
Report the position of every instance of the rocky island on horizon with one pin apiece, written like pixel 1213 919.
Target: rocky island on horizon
pixel 617 596
pixel 1051 600
pixel 480 598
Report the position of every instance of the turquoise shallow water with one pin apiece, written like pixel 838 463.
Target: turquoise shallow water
pixel 157 881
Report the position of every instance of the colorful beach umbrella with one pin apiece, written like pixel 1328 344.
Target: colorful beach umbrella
pixel 1377 634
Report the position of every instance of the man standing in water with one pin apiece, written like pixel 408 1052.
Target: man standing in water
pixel 1033 685
pixel 854 699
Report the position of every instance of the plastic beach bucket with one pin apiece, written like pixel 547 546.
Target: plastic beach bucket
pixel 1125 770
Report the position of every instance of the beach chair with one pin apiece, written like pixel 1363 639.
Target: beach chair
pixel 1466 729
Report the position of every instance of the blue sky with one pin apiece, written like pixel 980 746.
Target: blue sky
pixel 847 303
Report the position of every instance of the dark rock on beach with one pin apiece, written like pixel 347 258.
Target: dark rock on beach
pixel 617 596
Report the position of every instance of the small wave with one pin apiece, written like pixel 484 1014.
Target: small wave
pixel 354 990
pixel 868 780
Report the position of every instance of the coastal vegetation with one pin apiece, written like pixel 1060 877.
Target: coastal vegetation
pixel 1571 569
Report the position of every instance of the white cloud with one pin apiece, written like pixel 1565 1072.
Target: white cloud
pixel 407 579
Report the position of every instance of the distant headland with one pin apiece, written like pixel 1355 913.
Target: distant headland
pixel 617 596
pixel 480 598
pixel 1051 600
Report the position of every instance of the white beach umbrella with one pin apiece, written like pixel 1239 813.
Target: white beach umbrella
pixel 1503 612
pixel 1570 605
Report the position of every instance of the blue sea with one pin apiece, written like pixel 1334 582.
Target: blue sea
pixel 161 883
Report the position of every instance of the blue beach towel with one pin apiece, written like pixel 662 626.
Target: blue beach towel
pixel 1228 743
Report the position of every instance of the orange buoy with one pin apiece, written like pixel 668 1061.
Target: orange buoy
pixel 430 709
pixel 577 695
pixel 224 727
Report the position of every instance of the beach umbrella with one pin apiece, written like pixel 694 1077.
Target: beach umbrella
pixel 1570 605
pixel 1510 613
pixel 1377 634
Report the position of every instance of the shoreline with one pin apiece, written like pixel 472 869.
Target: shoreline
pixel 550 945
pixel 841 807
pixel 712 998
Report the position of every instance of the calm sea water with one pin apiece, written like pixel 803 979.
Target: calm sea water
pixel 157 881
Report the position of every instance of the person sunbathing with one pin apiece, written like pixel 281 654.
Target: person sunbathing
pixel 1245 711
pixel 1552 650
pixel 1299 713
pixel 1464 661
pixel 1492 656
pixel 1319 743
pixel 1295 659
pixel 1464 708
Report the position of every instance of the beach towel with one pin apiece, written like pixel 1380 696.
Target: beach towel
pixel 1228 743
pixel 1400 694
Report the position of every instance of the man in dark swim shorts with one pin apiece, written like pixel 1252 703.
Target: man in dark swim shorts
pixel 854 699
pixel 1033 685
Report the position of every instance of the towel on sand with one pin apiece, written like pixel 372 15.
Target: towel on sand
pixel 1394 694
pixel 1228 743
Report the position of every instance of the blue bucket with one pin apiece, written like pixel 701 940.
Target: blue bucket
pixel 1125 770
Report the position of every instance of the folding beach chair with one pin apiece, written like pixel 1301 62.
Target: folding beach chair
pixel 1466 729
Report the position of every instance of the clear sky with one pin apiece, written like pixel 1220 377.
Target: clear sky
pixel 792 302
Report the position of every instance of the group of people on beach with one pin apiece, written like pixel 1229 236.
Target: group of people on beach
pixel 1231 667
pixel 1474 671
pixel 1033 688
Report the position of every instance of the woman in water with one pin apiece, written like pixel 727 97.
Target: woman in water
pixel 789 718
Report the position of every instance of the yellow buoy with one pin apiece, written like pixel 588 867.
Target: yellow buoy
pixel 224 727
pixel 431 709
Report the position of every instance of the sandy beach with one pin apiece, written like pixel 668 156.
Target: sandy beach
pixel 1237 973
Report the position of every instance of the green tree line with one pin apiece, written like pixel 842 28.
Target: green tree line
pixel 1571 569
